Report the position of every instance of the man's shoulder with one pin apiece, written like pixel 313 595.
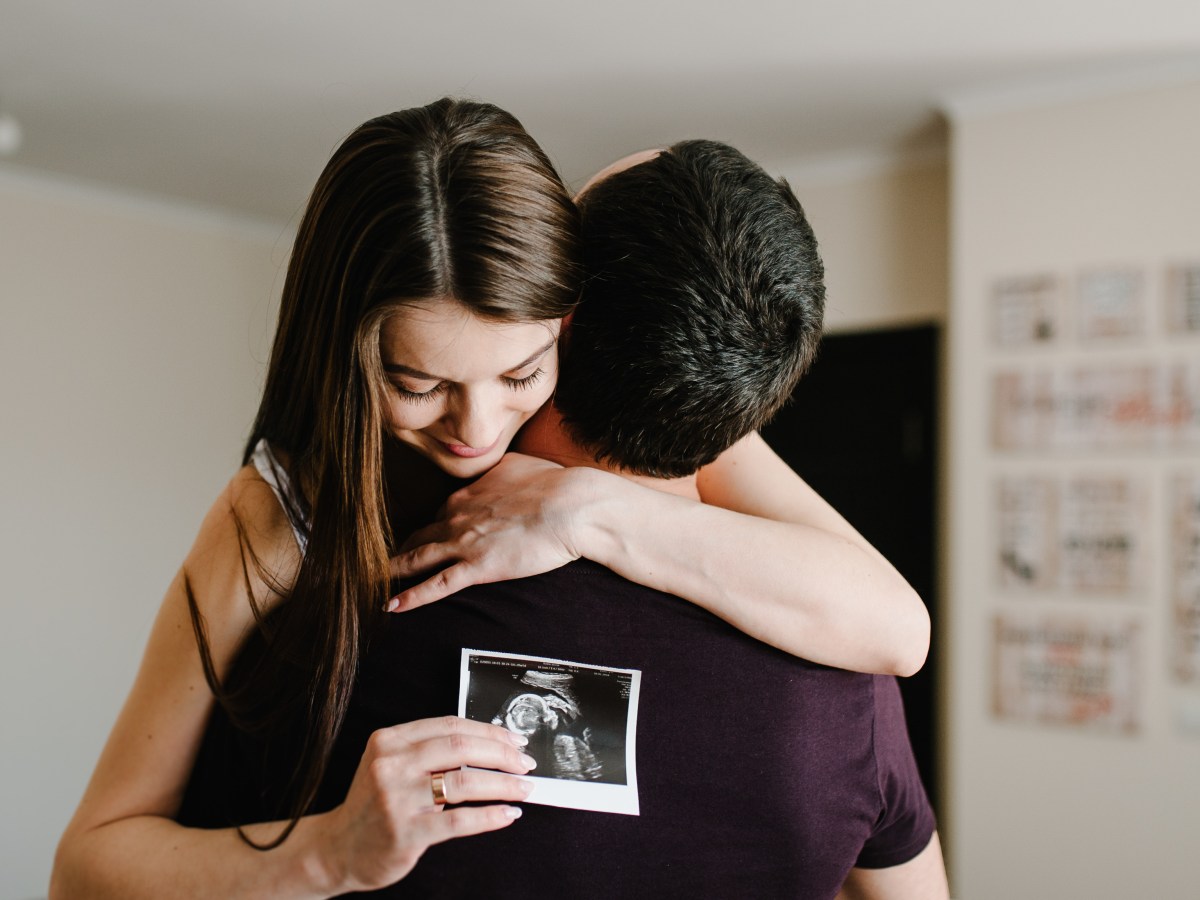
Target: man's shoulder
pixel 587 606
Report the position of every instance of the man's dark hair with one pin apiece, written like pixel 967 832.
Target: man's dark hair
pixel 702 307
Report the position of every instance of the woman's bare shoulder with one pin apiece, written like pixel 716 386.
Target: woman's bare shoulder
pixel 245 549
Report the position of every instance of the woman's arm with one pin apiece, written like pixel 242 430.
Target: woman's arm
pixel 372 840
pixel 859 606
pixel 122 841
pixel 764 552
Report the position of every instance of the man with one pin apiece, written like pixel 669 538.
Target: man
pixel 758 774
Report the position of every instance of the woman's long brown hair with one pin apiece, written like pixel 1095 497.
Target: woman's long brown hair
pixel 451 200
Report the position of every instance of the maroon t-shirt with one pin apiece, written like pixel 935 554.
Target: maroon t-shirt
pixel 759 774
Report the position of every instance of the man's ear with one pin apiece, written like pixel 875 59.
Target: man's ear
pixel 564 335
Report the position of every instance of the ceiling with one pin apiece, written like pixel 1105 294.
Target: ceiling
pixel 236 104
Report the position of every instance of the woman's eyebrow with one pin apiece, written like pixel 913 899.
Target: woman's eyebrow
pixel 401 369
pixel 536 355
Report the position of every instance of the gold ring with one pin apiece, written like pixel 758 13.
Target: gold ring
pixel 437 781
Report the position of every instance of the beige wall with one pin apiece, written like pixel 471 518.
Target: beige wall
pixel 132 337
pixel 882 229
pixel 1057 811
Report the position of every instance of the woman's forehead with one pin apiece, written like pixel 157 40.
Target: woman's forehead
pixel 443 338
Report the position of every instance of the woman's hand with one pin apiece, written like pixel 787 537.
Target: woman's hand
pixel 517 520
pixel 390 816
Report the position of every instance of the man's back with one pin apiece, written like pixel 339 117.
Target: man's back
pixel 759 774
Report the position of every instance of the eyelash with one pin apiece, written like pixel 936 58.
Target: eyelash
pixel 524 384
pixel 516 384
pixel 418 396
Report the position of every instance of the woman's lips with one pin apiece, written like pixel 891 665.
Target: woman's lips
pixel 468 452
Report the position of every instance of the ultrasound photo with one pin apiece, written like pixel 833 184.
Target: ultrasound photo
pixel 580 720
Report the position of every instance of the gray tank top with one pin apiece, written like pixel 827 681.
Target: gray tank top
pixel 276 476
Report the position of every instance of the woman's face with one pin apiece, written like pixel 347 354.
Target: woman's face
pixel 458 386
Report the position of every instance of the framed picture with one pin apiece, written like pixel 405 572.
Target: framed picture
pixel 1183 299
pixel 1184 497
pixel 1025 310
pixel 1078 672
pixel 1111 303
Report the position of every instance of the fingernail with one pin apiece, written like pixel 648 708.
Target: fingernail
pixel 526 786
pixel 530 762
pixel 519 739
pixel 392 605
pixel 512 812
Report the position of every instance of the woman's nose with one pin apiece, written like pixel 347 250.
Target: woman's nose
pixel 476 419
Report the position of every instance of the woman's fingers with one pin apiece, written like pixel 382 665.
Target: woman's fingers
pixel 421 559
pixel 519 519
pixel 466 820
pixel 423 550
pixel 449 581
pixel 435 533
pixel 468 785
pixel 439 745
pixel 391 812
pixel 440 754
pixel 398 737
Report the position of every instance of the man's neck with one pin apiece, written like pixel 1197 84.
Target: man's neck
pixel 544 436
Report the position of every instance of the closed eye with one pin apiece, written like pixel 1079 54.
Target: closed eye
pixel 419 396
pixel 522 384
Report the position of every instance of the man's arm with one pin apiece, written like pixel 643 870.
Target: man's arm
pixel 921 878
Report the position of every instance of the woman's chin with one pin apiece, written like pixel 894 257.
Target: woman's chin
pixel 465 466
pixel 453 459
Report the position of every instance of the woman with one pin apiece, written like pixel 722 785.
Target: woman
pixel 417 332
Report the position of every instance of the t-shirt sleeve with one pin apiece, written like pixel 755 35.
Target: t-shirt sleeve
pixel 906 822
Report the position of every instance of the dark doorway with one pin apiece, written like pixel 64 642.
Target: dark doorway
pixel 862 430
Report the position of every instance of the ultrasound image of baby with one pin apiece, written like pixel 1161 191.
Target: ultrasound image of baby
pixel 550 718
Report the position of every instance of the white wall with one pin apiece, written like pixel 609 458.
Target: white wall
pixel 881 225
pixel 1059 811
pixel 132 341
